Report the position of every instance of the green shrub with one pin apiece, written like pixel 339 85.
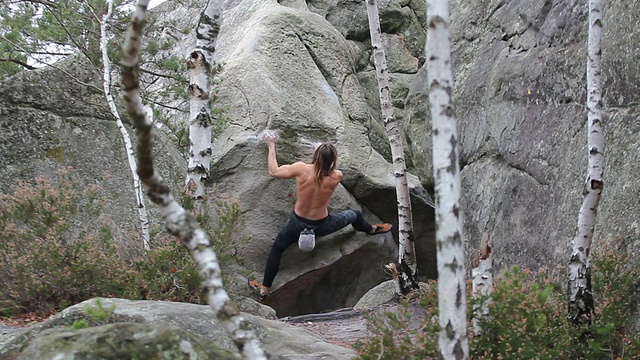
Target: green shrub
pixel 55 251
pixel 98 315
pixel 169 271
pixel 528 319
pixel 393 336
pixel 52 254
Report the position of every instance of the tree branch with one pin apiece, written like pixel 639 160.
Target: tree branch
pixel 21 63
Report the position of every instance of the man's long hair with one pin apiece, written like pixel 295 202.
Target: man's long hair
pixel 324 161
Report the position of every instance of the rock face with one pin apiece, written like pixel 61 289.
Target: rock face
pixel 49 122
pixel 149 328
pixel 520 94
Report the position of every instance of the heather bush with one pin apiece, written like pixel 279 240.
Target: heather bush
pixel 54 249
pixel 168 270
pixel 394 334
pixel 528 319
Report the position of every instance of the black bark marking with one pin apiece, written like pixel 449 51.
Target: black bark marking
pixel 453 158
pixel 203 119
pixel 457 238
pixel 457 350
pixel 453 266
pixel 597 184
pixel 449 331
pixel 206 152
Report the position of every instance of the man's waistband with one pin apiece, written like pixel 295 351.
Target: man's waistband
pixel 309 222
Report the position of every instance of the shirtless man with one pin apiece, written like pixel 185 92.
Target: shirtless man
pixel 315 183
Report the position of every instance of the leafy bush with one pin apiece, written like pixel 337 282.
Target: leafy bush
pixel 528 319
pixel 51 254
pixel 168 270
pixel 55 251
pixel 394 337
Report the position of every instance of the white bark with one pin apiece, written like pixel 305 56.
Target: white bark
pixel 106 83
pixel 580 295
pixel 453 340
pixel 408 269
pixel 179 222
pixel 199 65
pixel 482 282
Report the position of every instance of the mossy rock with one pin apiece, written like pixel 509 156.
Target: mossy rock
pixel 123 341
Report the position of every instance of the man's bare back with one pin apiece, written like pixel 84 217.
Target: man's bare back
pixel 313 198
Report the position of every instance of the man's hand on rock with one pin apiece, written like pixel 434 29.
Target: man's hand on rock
pixel 269 137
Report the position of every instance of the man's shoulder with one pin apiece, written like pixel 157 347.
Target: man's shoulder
pixel 300 164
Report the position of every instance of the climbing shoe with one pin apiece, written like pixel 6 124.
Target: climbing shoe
pixel 380 229
pixel 256 287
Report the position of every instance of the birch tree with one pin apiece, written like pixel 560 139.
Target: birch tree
pixel 199 64
pixel 408 270
pixel 106 83
pixel 453 342
pixel 580 292
pixel 179 222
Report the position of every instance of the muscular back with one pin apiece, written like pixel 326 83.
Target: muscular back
pixel 313 198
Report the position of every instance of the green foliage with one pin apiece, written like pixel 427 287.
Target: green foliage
pixel 80 324
pixel 169 273
pixel 528 319
pixel 98 314
pixel 44 32
pixel 393 336
pixel 51 254
pixel 56 251
pixel 168 270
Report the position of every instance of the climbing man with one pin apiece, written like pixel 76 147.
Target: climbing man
pixel 315 183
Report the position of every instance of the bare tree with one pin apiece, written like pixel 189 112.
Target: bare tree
pixel 580 293
pixel 199 64
pixel 179 222
pixel 453 341
pixel 408 270
pixel 106 83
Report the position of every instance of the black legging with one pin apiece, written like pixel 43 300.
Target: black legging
pixel 290 232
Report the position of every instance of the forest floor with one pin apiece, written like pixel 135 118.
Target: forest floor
pixel 347 327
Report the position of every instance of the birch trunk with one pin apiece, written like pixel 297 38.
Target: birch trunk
pixel 408 269
pixel 482 282
pixel 580 295
pixel 106 83
pixel 199 65
pixel 179 222
pixel 453 340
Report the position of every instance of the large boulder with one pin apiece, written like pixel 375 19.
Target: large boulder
pixel 172 328
pixel 289 70
pixel 123 341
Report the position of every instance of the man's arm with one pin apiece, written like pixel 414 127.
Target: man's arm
pixel 280 172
